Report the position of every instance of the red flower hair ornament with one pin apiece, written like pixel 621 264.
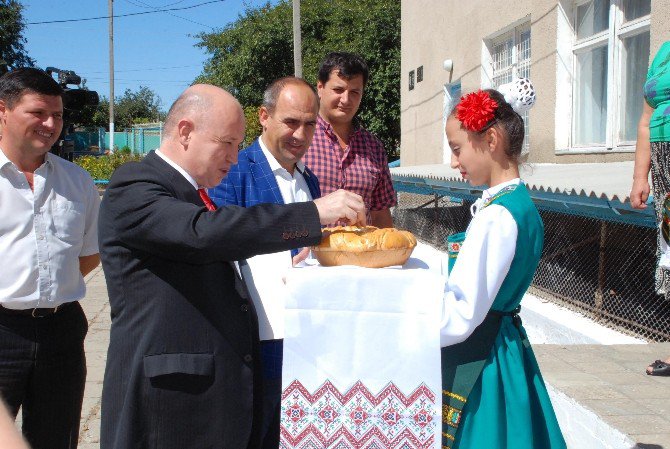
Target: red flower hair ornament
pixel 475 110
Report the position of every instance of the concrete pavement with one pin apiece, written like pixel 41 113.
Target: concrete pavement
pixel 610 381
pixel 96 307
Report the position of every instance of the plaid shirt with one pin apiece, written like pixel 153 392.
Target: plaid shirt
pixel 362 167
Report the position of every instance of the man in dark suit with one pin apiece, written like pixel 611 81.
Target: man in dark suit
pixel 270 170
pixel 182 367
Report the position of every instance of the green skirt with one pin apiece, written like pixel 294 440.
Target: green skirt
pixel 509 407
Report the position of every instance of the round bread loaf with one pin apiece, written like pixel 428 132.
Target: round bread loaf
pixel 366 246
pixel 391 238
pixel 367 238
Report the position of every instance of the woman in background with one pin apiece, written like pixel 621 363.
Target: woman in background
pixel 652 152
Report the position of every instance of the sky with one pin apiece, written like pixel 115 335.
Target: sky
pixel 156 50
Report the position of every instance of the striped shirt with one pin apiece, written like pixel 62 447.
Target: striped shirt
pixel 361 167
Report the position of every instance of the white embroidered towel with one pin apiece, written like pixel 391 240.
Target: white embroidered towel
pixel 362 358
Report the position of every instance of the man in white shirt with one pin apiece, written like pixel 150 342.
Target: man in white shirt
pixel 270 170
pixel 48 242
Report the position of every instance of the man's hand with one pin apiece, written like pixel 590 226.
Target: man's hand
pixel 341 205
pixel 381 218
pixel 639 194
pixel 88 263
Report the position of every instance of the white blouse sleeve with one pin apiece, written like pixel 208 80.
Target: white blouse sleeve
pixel 483 262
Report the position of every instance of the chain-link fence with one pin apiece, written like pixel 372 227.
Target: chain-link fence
pixel 603 269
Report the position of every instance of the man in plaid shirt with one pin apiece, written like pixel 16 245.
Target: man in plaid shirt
pixel 343 155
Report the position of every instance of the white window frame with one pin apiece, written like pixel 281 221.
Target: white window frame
pixel 617 30
pixel 488 71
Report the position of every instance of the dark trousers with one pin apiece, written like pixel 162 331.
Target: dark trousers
pixel 43 370
pixel 271 413
pixel 272 356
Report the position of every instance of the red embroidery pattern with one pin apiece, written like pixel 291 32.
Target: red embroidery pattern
pixel 357 419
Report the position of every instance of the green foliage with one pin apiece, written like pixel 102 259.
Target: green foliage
pixel 247 55
pixel 102 167
pixel 250 53
pixel 133 107
pixel 101 114
pixel 136 107
pixel 254 128
pixel 11 35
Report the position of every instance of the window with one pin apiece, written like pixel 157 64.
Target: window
pixel 611 56
pixel 419 74
pixel 510 59
pixel 411 80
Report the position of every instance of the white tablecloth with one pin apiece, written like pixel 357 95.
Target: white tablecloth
pixel 362 356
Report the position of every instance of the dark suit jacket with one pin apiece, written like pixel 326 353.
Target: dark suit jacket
pixel 252 182
pixel 182 367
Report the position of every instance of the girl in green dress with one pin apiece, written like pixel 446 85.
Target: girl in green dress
pixel 493 392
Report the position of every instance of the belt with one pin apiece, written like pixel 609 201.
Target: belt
pixel 39 312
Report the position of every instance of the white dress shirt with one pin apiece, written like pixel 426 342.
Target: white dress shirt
pixel 44 231
pixel 293 187
pixel 183 172
pixel 483 262
pixel 264 273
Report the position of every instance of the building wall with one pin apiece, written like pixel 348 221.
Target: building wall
pixel 432 31
pixel 435 30
pixel 660 24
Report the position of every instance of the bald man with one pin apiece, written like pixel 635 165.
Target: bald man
pixel 183 368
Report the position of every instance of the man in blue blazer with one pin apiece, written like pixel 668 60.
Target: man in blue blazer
pixel 270 170
pixel 288 117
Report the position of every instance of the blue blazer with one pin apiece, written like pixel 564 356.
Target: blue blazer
pixel 252 182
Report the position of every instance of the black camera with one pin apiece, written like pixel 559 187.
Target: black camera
pixel 74 101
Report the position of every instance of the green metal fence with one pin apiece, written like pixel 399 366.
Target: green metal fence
pixel 85 141
pixel 139 140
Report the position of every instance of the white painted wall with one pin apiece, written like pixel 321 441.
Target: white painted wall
pixel 549 323
pixel 583 429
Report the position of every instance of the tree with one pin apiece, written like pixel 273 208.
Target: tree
pixel 248 54
pixel 95 116
pixel 131 108
pixel 253 128
pixel 11 35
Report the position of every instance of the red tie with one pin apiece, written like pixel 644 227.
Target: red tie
pixel 206 199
